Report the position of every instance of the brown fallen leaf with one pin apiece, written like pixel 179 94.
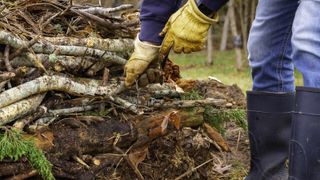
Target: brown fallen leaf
pixel 214 135
pixel 138 155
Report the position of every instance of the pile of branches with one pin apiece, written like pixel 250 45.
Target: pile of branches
pixel 26 18
pixel 61 65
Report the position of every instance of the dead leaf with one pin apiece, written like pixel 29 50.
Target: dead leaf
pixel 175 119
pixel 214 135
pixel 138 155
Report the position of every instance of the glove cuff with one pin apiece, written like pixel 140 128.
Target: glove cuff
pixel 200 16
pixel 145 51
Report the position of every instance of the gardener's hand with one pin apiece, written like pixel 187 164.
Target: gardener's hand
pixel 186 30
pixel 145 56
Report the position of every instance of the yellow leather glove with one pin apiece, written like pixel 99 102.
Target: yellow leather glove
pixel 144 55
pixel 187 29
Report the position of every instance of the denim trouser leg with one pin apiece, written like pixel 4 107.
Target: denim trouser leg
pixel 306 42
pixel 270 48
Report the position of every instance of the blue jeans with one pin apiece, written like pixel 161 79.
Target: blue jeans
pixel 285 33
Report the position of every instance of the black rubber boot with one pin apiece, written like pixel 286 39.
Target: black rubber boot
pixel 305 138
pixel 269 124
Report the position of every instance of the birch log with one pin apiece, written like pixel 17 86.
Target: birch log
pixel 50 83
pixel 113 45
pixel 48 48
pixel 18 109
pixel 71 63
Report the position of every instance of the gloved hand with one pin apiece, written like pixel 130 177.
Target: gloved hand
pixel 145 56
pixel 186 30
pixel 152 75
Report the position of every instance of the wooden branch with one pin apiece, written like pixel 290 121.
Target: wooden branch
pixel 26 175
pixel 6 58
pixel 58 112
pixel 104 22
pixel 113 45
pixel 18 109
pixel 29 20
pixel 20 50
pixel 193 169
pixel 170 93
pixel 48 48
pixel 127 105
pixel 94 69
pixel 67 63
pixel 6 76
pixel 106 11
pixel 57 83
pixel 80 51
pixel 2 84
pixel 21 123
pixel 186 103
pixel 50 83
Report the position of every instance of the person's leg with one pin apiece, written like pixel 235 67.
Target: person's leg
pixel 305 139
pixel 269 46
pixel 306 42
pixel 271 102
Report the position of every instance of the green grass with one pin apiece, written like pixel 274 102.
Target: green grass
pixel 14 147
pixel 224 68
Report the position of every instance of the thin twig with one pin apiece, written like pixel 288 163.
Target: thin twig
pixel 193 170
pixel 6 58
pixel 27 175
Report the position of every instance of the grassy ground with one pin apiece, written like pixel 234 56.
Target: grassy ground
pixel 224 68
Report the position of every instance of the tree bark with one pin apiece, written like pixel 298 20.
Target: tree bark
pixel 50 83
pixel 235 34
pixel 210 48
pixel 225 32
pixel 112 45
pixel 48 48
pixel 18 109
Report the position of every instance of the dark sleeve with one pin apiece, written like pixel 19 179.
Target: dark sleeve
pixel 213 5
pixel 154 15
